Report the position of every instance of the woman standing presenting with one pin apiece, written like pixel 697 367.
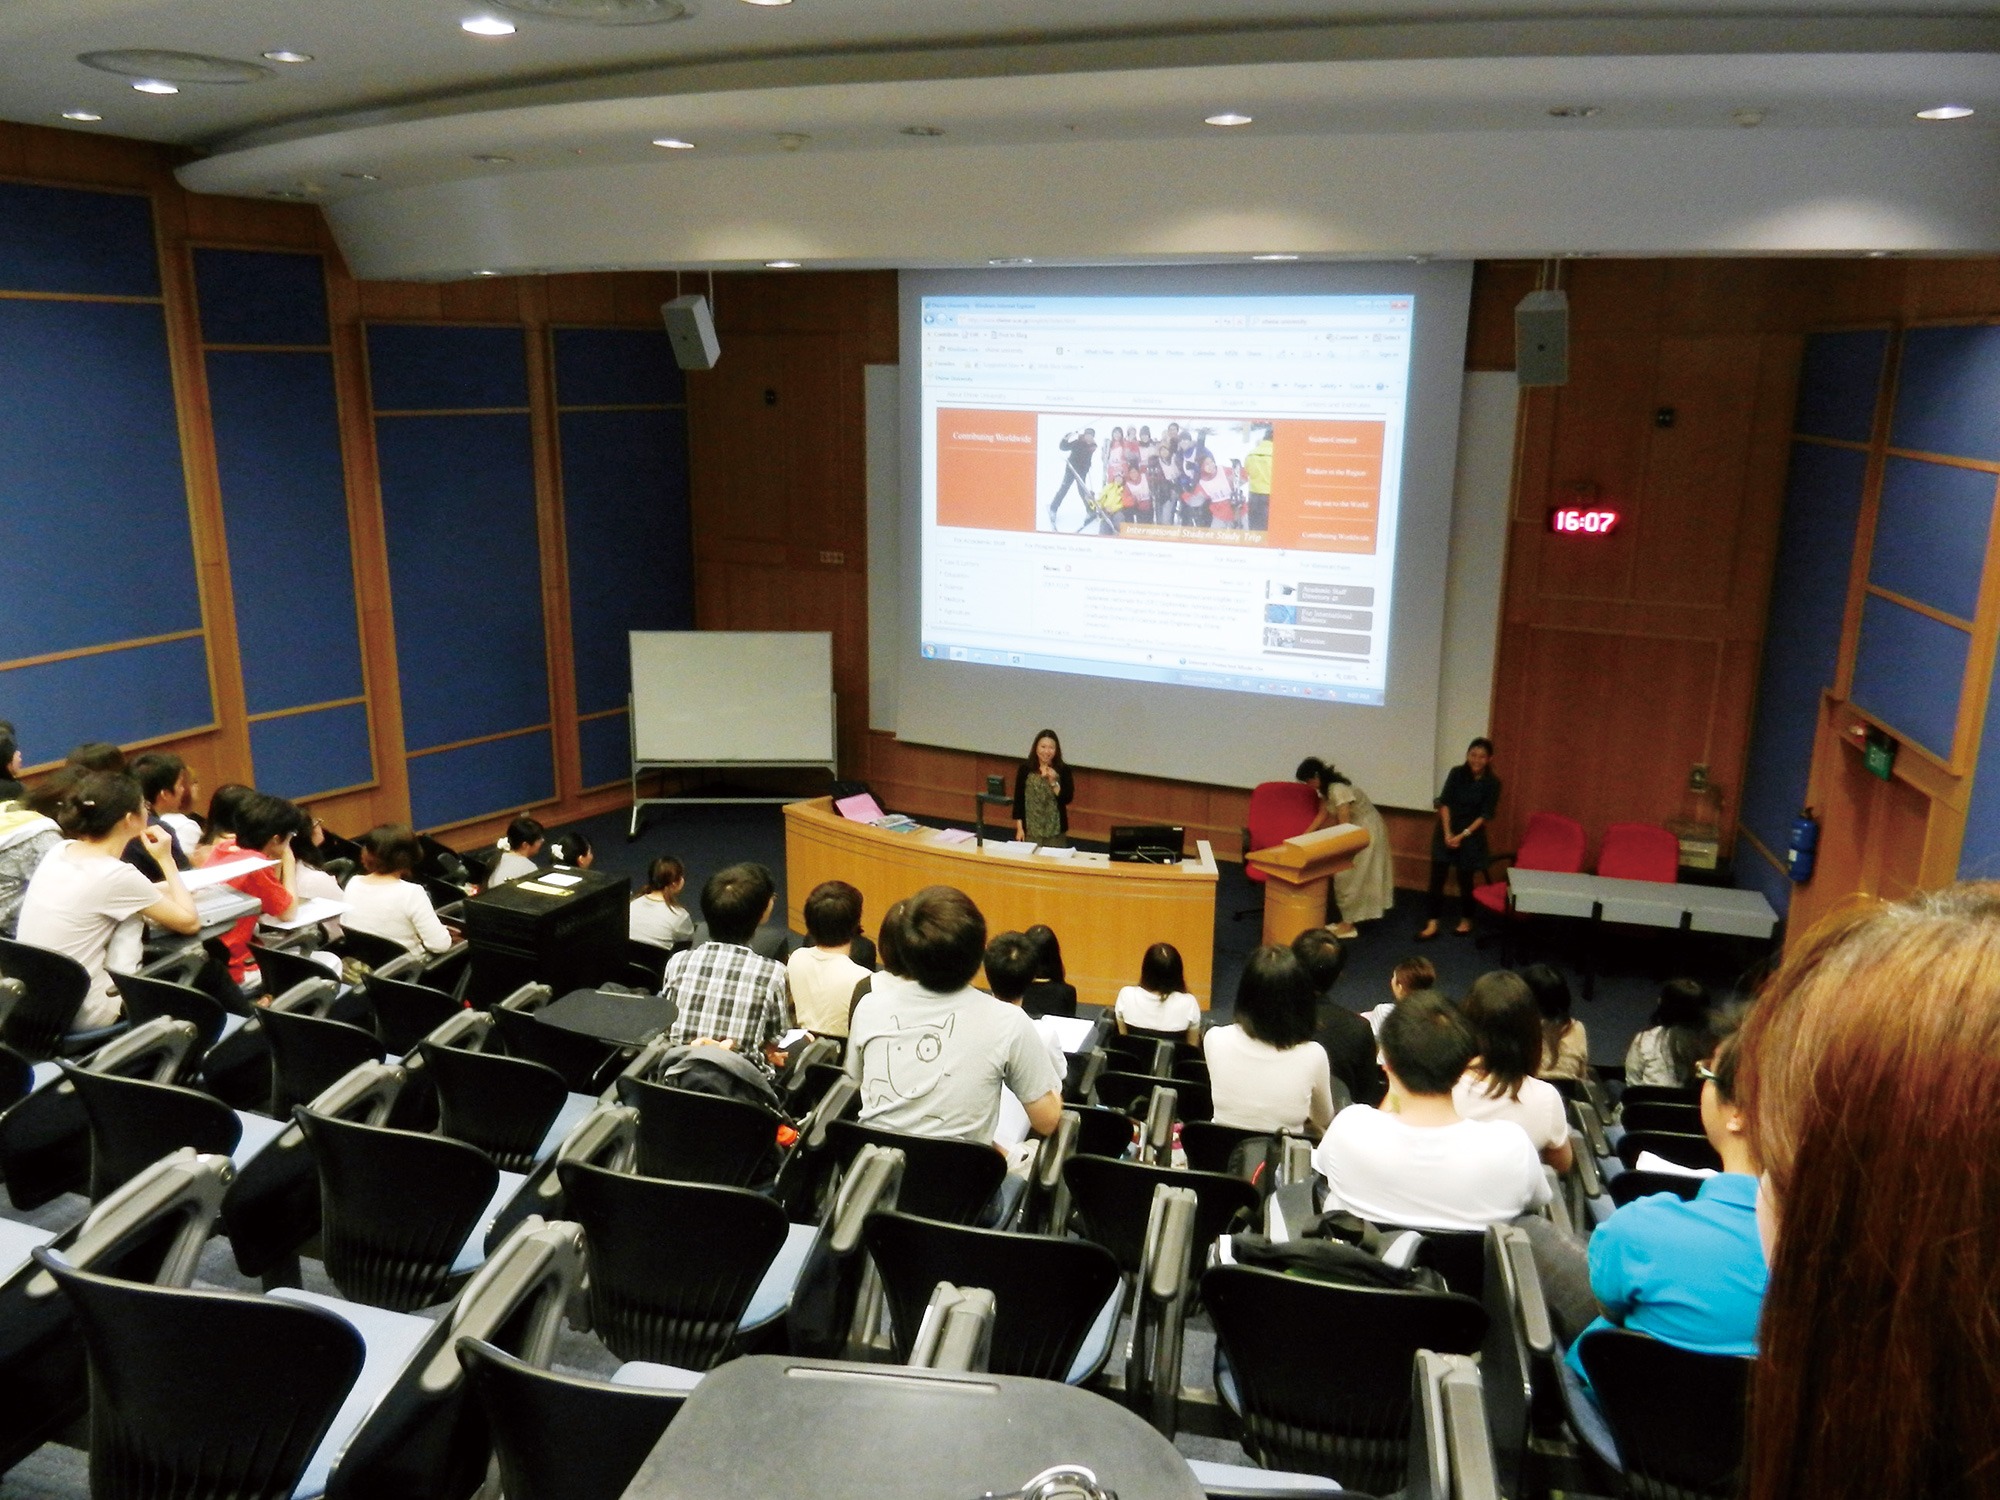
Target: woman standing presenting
pixel 1366 889
pixel 1464 808
pixel 1043 787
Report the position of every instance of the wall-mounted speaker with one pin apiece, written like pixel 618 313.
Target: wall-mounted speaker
pixel 1541 339
pixel 692 333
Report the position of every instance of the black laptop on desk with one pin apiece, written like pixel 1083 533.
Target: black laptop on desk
pixel 1147 844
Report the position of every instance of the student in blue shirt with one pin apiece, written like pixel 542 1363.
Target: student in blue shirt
pixel 1690 1273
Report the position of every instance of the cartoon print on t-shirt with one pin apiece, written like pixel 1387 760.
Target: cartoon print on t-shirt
pixel 911 1063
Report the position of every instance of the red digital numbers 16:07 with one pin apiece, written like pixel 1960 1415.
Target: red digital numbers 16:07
pixel 1575 521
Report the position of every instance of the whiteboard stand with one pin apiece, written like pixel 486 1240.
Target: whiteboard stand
pixel 642 767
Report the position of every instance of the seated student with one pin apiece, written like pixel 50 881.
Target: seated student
pixel 314 880
pixel 96 755
pixel 889 959
pixel 524 842
pixel 1500 1084
pixel 823 974
pixel 159 777
pixel 1265 1071
pixel 264 829
pixel 221 823
pixel 85 901
pixel 1010 969
pixel 11 761
pixel 1406 979
pixel 1159 1003
pixel 1348 1039
pixel 1048 994
pixel 724 992
pixel 657 916
pixel 1664 1054
pixel 28 832
pixel 1690 1272
pixel 573 849
pixel 1565 1044
pixel 176 809
pixel 382 903
pixel 1415 1162
pixel 932 1053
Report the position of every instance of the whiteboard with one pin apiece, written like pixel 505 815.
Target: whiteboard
pixel 755 697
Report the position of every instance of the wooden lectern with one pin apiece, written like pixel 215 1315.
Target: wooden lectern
pixel 1296 873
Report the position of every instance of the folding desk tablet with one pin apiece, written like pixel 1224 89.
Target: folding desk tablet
pixel 563 928
pixel 1598 899
pixel 619 1020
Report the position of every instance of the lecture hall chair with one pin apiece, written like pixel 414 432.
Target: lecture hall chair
pixel 1639 851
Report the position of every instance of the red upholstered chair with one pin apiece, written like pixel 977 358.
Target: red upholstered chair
pixel 1278 809
pixel 1639 851
pixel 1549 842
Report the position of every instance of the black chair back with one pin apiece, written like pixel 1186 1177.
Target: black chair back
pixel 367 947
pixel 133 1123
pixel 1138 1051
pixel 1662 1093
pixel 1681 1149
pixel 205 1394
pixel 1458 1255
pixel 148 999
pixel 395 1208
pixel 673 1265
pixel 582 1061
pixel 407 1013
pixel 646 962
pixel 1210 1147
pixel 684 1136
pixel 284 970
pixel 1628 1186
pixel 1130 1092
pixel 1322 1374
pixel 1114 1200
pixel 17 1077
pixel 560 1437
pixel 1102 1132
pixel 1676 1119
pixel 1048 1292
pixel 952 1181
pixel 309 1054
pixel 1677 1415
pixel 55 986
pixel 503 1105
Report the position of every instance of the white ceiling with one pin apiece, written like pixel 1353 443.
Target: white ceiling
pixel 1072 127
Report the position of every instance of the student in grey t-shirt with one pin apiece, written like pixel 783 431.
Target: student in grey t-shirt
pixel 932 1056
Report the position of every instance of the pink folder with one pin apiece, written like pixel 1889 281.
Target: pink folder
pixel 860 808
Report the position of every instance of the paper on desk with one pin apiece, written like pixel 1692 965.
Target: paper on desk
pixel 1071 1031
pixel 1010 848
pixel 1650 1162
pixel 312 909
pixel 1013 1126
pixel 955 836
pixel 539 888
pixel 551 878
pixel 222 874
pixel 1053 853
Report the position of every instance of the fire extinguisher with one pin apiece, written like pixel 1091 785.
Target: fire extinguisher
pixel 1804 848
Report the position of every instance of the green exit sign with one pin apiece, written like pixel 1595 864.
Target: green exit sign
pixel 1880 754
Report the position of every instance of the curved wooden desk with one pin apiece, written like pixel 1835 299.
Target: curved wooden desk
pixel 1105 914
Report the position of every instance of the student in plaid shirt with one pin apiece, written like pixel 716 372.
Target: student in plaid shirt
pixel 723 991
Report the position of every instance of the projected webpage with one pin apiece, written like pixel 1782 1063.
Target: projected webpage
pixel 1194 490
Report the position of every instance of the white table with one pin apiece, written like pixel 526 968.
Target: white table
pixel 1639 903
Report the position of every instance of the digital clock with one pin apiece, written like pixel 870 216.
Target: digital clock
pixel 1577 520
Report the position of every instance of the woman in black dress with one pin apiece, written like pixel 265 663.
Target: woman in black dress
pixel 1466 805
pixel 1043 788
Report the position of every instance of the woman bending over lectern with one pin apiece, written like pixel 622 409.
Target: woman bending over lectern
pixel 1466 805
pixel 1367 889
pixel 1043 787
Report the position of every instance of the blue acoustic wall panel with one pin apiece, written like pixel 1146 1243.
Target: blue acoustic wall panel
pixel 616 367
pixel 458 502
pixel 76 241
pixel 1930 534
pixel 1909 671
pixel 607 750
pixel 456 786
pixel 284 503
pixel 1801 641
pixel 1948 392
pixel 1838 381
pixel 95 544
pixel 426 367
pixel 625 509
pixel 260 297
pixel 137 693
pixel 302 755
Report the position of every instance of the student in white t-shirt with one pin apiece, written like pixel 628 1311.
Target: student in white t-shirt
pixel 657 916
pixel 1265 1071
pixel 823 974
pixel 1159 1003
pixel 85 901
pixel 524 842
pixel 381 902
pixel 1422 1166
pixel 1011 962
pixel 1501 1083
pixel 933 1054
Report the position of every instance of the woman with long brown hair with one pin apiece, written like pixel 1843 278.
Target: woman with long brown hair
pixel 1872 1087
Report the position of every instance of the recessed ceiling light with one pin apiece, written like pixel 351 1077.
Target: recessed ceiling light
pixel 1275 255
pixel 286 55
pixel 674 143
pixel 486 26
pixel 1946 112
pixel 1576 111
pixel 781 265
pixel 85 115
pixel 1878 254
pixel 767 2
pixel 923 132
pixel 156 86
pixel 1012 260
pixel 485 273
pixel 361 176
pixel 285 193
pixel 494 161
pixel 1227 119
pixel 1749 119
